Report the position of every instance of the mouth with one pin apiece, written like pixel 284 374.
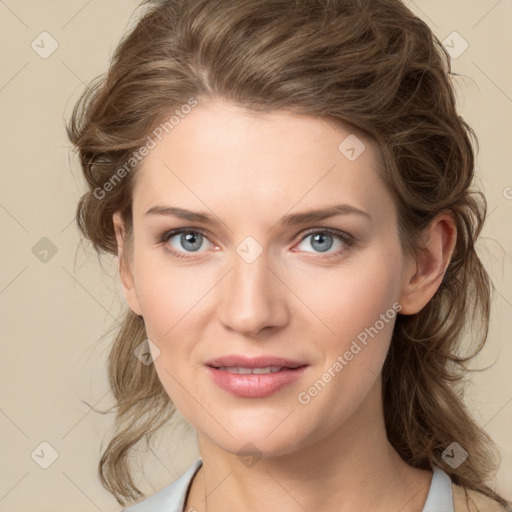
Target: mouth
pixel 254 377
pixel 255 371
pixel 254 363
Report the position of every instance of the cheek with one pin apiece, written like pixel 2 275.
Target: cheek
pixel 170 300
pixel 339 303
pixel 167 293
pixel 359 306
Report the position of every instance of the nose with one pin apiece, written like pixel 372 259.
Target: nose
pixel 253 298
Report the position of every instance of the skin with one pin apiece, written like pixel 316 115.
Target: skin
pixel 249 170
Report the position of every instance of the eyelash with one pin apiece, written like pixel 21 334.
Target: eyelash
pixel 348 240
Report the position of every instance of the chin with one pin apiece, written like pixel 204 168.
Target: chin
pixel 258 436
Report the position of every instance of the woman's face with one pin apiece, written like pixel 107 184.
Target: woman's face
pixel 253 276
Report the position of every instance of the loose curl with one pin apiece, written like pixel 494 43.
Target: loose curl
pixel 373 65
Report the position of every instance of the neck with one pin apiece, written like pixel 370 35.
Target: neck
pixel 353 468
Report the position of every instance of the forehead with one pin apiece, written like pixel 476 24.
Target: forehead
pixel 221 154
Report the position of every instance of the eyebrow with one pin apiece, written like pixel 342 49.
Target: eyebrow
pixel 287 220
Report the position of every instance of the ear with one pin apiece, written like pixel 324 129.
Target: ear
pixel 424 274
pixel 125 272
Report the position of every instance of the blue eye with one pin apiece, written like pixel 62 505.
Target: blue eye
pixel 323 240
pixel 183 242
pixel 187 240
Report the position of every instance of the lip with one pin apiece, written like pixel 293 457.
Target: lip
pixel 254 385
pixel 253 362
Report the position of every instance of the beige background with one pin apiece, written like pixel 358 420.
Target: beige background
pixel 54 315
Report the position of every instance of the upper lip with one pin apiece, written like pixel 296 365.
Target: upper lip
pixel 253 362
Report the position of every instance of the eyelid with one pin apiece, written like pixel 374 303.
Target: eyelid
pixel 343 235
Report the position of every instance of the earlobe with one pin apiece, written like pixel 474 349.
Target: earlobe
pixel 125 272
pixel 424 274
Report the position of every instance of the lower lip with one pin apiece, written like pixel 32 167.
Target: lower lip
pixel 254 385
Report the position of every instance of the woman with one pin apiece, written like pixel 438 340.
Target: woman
pixel 287 186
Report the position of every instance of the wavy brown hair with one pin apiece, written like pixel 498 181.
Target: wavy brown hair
pixel 371 64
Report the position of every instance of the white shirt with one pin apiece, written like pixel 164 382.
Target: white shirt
pixel 172 498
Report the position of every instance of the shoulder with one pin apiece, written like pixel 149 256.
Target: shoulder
pixel 469 500
pixel 171 498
